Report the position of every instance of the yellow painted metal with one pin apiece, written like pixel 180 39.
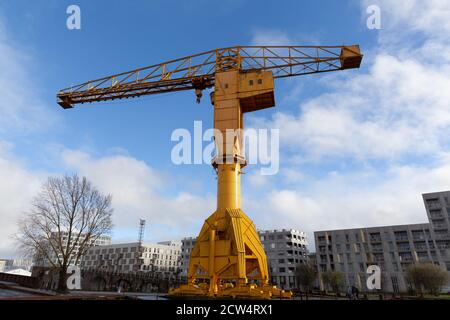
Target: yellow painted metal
pixel 228 257
pixel 228 253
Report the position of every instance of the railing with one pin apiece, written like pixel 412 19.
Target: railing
pixel 434 205
pixel 406 259
pixel 442 236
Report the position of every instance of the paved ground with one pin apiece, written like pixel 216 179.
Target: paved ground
pixel 7 293
pixel 135 295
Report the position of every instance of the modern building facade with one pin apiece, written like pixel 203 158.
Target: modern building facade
pixel 162 257
pixel 186 248
pixel 284 249
pixel 392 248
pixel 40 260
pixel 437 205
pixel 13 264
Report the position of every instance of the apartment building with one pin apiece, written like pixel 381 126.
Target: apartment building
pixel 186 248
pixel 437 205
pixel 284 249
pixel 12 264
pixel 393 248
pixel 40 260
pixel 162 257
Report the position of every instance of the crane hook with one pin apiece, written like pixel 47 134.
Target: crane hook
pixel 199 94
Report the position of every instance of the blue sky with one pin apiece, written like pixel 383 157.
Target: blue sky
pixel 357 147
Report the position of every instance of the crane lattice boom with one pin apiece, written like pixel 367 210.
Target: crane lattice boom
pixel 198 71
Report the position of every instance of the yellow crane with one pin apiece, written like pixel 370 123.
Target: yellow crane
pixel 228 259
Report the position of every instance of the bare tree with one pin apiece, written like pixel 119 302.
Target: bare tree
pixel 427 276
pixel 333 279
pixel 306 275
pixel 67 216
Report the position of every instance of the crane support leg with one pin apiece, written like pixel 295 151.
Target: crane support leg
pixel 228 259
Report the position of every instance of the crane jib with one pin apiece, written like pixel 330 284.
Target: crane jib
pixel 198 71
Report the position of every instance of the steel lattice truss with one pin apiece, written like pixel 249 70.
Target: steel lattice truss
pixel 198 71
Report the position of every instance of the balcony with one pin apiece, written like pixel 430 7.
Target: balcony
pixel 406 258
pixel 433 204
pixel 443 245
pixel 442 236
pixel 436 216
pixel 376 237
pixel 321 239
pixel 424 259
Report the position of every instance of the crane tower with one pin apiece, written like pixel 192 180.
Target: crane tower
pixel 228 259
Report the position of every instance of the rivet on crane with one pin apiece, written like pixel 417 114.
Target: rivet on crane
pixel 228 259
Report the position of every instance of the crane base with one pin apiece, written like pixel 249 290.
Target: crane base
pixel 251 291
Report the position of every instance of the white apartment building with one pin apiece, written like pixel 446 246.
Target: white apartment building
pixel 163 257
pixel 284 248
pixel 42 261
pixel 186 248
pixel 12 264
pixel 393 248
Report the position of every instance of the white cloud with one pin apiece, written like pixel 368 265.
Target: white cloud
pixel 21 108
pixel 17 188
pixel 350 200
pixel 430 16
pixel 270 38
pixel 400 107
pixel 21 112
pixel 138 192
pixel 380 121
pixel 398 110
